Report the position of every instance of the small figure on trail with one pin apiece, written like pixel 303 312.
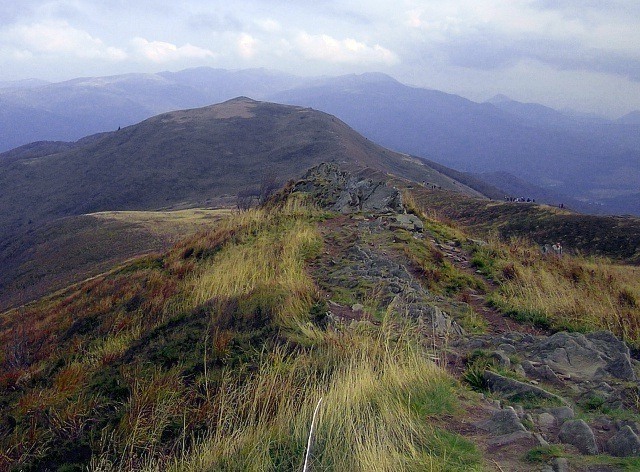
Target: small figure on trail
pixel 562 205
pixel 557 249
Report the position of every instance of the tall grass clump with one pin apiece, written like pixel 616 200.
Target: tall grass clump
pixel 567 292
pixel 379 392
pixel 270 262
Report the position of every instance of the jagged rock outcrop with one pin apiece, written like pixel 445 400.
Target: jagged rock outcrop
pixel 345 193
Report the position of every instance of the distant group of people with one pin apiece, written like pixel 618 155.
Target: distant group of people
pixel 556 249
pixel 519 199
pixel 428 185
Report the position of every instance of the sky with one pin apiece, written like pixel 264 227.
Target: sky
pixel 578 54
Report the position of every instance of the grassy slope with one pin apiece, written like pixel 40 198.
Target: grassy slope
pixel 214 355
pixel 572 292
pixel 51 257
pixel 614 237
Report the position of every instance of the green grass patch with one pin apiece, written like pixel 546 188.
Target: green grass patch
pixel 543 454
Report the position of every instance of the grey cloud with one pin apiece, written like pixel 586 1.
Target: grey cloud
pixel 579 8
pixel 487 50
pixel 215 22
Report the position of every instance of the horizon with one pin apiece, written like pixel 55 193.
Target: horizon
pixel 559 54
pixel 21 83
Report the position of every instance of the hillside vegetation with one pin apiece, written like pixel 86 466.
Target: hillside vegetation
pixel 54 255
pixel 215 354
pixel 609 236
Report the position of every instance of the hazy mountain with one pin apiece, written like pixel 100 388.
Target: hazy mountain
pixel 532 113
pixel 22 84
pixel 632 118
pixel 583 157
pixel 72 109
pixel 532 142
pixel 184 158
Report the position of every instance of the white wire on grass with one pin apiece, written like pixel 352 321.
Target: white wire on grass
pixel 313 425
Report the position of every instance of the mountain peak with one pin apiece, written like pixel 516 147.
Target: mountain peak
pixel 500 98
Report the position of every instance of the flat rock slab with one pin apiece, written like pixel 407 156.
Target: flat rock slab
pixel 511 388
pixel 586 357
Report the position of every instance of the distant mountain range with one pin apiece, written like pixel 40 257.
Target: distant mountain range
pixel 570 156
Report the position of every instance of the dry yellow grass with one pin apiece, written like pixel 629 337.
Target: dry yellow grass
pixel 377 396
pixel 568 292
pixel 269 259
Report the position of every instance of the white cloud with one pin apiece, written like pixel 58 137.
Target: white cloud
pixel 269 25
pixel 247 45
pixel 58 38
pixel 327 48
pixel 160 51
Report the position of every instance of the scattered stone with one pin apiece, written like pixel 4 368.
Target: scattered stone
pixel 579 434
pixel 546 420
pixel 560 464
pixel 501 358
pixel 625 443
pixel 635 427
pixel 519 411
pixel 503 422
pixel 507 348
pixel 407 222
pixel 510 438
pixel 561 414
pixel 542 441
pixel 519 370
pixel 357 307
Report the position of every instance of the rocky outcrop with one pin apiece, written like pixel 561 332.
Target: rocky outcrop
pixel 345 193
pixel 514 389
pixel 589 357
pixel 592 373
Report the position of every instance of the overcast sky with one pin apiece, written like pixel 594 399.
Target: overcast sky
pixel 583 54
